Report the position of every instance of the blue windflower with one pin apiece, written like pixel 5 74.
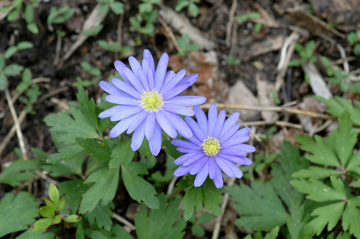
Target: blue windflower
pixel 148 101
pixel 216 145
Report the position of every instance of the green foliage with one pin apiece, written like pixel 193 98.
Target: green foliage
pixel 12 69
pixel 337 202
pixel 306 53
pixel 185 46
pixel 230 60
pixel 19 171
pixel 59 16
pixel 91 72
pixel 116 232
pixel 101 215
pixel 17 212
pixel 143 22
pixel 14 49
pixel 36 235
pixel 191 6
pixel 132 181
pixel 95 31
pixel 354 42
pixel 160 223
pixel 196 229
pixel 51 212
pixel 115 6
pixel 113 47
pixel 207 195
pixel 102 191
pixel 248 16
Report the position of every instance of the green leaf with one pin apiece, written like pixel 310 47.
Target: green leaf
pixel 42 224
pixel 24 45
pixel 13 69
pixel 273 234
pixel 87 107
pixel 116 232
pixel 66 127
pixel 133 183
pixel 104 189
pixel 70 152
pixel 351 217
pixel 72 218
pixel 32 27
pixel 10 52
pixel 316 173
pixel 192 199
pixel 321 152
pixel 337 106
pixel 320 192
pixel 73 190
pixel 2 62
pixel 102 216
pixel 103 9
pixel 17 212
pixel 162 223
pixel 345 139
pixel 56 220
pixel 47 211
pixel 54 196
pixel 197 230
pixel 259 206
pixel 329 214
pixel 121 154
pixel 3 81
pixel 29 13
pixel 36 235
pixel 18 172
pixel 193 10
pixel 117 7
pixel 352 38
pixel 94 149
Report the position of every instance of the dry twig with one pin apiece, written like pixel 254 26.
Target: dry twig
pixel 123 220
pixel 17 124
pixel 171 34
pixel 231 22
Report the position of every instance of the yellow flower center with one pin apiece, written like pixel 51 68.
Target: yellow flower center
pixel 211 146
pixel 151 101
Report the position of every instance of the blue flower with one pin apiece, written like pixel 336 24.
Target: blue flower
pixel 216 145
pixel 148 101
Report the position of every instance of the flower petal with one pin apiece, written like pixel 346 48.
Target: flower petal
pixel 120 127
pixel 109 88
pixel 246 161
pixel 175 91
pixel 148 62
pixel 120 66
pixel 186 150
pixel 194 159
pixel 179 124
pixel 137 121
pixel 121 100
pixel 165 124
pixel 219 124
pixel 242 160
pixel 138 137
pixel 113 110
pixel 234 141
pixel 230 122
pixel 194 140
pixel 182 170
pixel 156 140
pixel 232 151
pixel 151 79
pixel 134 80
pixel 191 78
pixel 224 167
pixel 161 71
pixel 185 144
pixel 183 158
pixel 212 167
pixel 201 118
pixel 178 109
pixel 230 132
pixel 197 166
pixel 201 176
pixel 187 100
pixel 169 84
pixel 212 118
pixel 236 170
pixel 138 71
pixel 124 113
pixel 149 125
pixel 127 88
pixel 218 180
pixel 195 128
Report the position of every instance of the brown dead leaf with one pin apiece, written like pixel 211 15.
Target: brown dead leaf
pixel 310 124
pixel 264 92
pixel 317 82
pixel 312 23
pixel 266 46
pixel 240 94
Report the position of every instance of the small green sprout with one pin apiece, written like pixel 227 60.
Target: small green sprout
pixel 230 60
pixel 12 69
pixel 185 46
pixel 14 49
pixel 306 54
pixel 113 47
pixel 51 212
pixel 192 8
pixel 115 6
pixel 58 16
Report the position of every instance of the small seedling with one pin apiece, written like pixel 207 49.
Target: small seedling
pixel 12 69
pixel 230 60
pixel 14 49
pixel 113 47
pixel 306 54
pixel 185 46
pixel 58 16
pixel 115 6
pixel 191 6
